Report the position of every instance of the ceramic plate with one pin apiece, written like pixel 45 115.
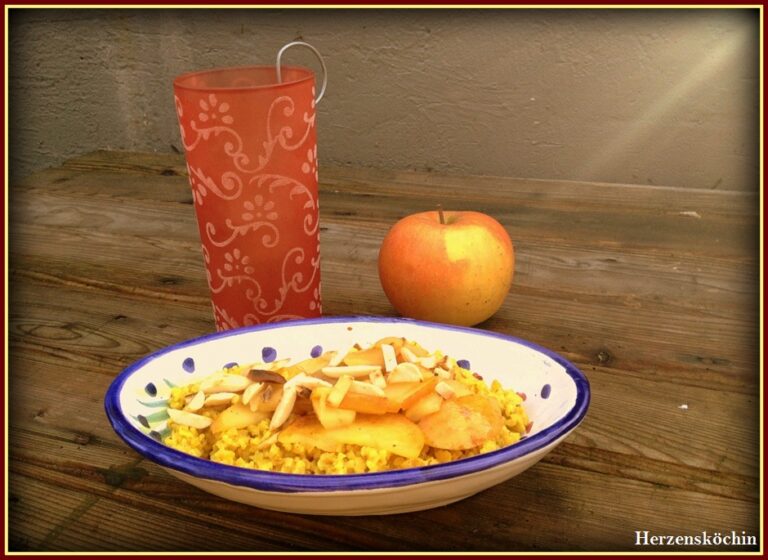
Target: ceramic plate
pixel 557 400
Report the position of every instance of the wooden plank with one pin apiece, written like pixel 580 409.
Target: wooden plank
pixel 568 501
pixel 682 299
pixel 651 291
pixel 621 415
pixel 658 221
pixel 620 335
pixel 36 510
pixel 368 181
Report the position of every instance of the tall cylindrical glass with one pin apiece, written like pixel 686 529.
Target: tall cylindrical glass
pixel 251 152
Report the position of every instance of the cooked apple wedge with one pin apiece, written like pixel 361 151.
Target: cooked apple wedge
pixel 237 416
pixel 330 416
pixel 370 357
pixel 405 373
pixel 395 341
pixel 268 399
pixel 463 423
pixel 365 403
pixel 458 387
pixel 310 366
pixel 307 430
pixel 416 348
pixel 426 405
pixel 390 432
pixel 404 395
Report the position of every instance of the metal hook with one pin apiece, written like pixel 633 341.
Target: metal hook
pixel 317 54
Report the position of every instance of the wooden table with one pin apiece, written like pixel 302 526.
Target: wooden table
pixel 653 292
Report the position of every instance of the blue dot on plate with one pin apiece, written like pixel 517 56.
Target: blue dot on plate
pixel 143 421
pixel 268 354
pixel 150 389
pixel 545 391
pixel 230 365
pixel 188 365
pixel 316 351
pixel 463 364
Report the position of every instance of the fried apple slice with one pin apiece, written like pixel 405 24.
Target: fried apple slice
pixel 463 423
pixel 428 404
pixel 404 395
pixel 237 416
pixel 370 357
pixel 416 348
pixel 365 403
pixel 395 341
pixel 329 416
pixel 307 430
pixel 310 366
pixel 390 432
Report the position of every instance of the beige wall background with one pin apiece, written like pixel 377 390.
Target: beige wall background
pixel 662 96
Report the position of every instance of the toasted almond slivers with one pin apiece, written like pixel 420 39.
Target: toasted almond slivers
pixel 196 403
pixel 251 391
pixel 339 390
pixel 189 419
pixel 284 408
pixel 409 355
pixel 445 390
pixel 367 389
pixel 217 399
pixel 354 371
pixel 339 356
pixel 442 373
pixel 227 383
pixel 390 358
pixel 405 372
pixel 378 379
pixel 308 381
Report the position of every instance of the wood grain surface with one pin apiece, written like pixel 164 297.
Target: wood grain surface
pixel 653 292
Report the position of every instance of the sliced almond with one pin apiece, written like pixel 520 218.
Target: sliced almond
pixel 354 371
pixel 445 390
pixel 378 379
pixel 442 373
pixel 409 355
pixel 404 373
pixel 227 383
pixel 339 356
pixel 190 419
pixel 251 391
pixel 367 389
pixel 284 408
pixel 196 403
pixel 339 390
pixel 308 381
pixel 390 357
pixel 218 399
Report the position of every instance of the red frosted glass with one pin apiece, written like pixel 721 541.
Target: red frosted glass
pixel 251 154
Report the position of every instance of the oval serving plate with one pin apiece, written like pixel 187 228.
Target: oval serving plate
pixel 557 400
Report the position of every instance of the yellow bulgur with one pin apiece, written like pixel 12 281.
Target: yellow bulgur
pixel 254 447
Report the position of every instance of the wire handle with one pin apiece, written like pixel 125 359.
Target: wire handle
pixel 317 54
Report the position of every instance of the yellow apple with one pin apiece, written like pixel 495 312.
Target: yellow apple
pixel 447 267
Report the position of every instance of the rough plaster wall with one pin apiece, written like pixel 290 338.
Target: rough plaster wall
pixel 664 97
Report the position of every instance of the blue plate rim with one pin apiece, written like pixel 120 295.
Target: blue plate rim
pixel 282 482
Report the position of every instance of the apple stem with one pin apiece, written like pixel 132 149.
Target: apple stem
pixel 440 213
